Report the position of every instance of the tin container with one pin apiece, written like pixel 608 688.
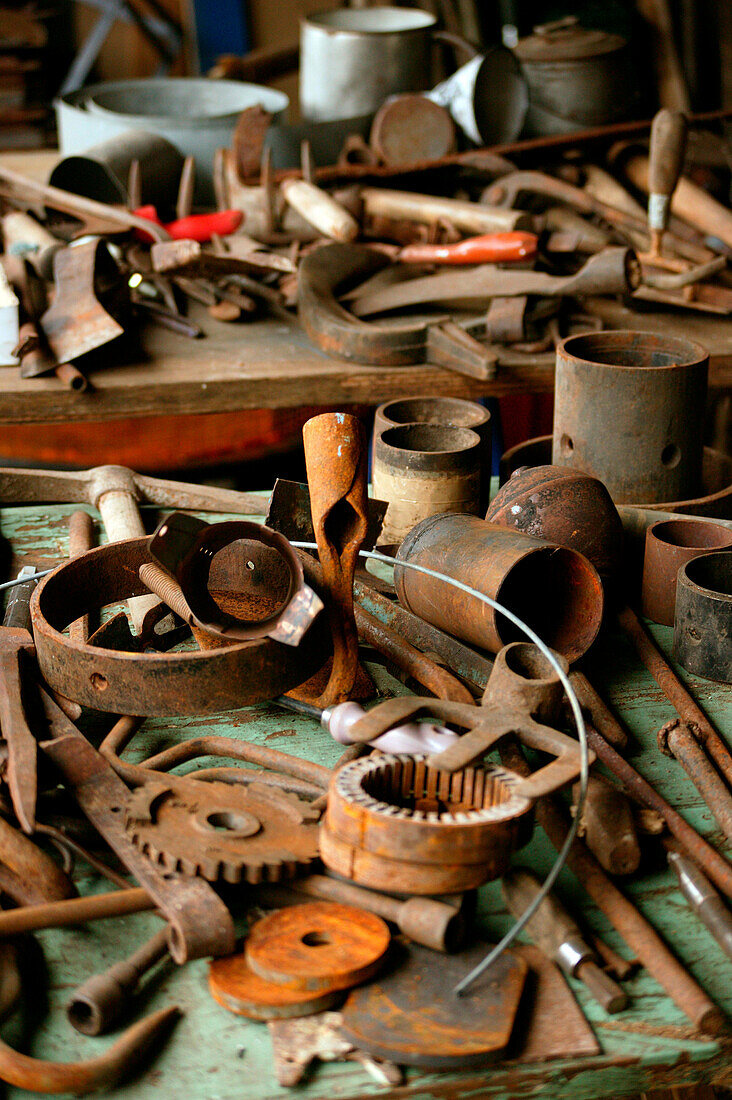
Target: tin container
pixel 352 59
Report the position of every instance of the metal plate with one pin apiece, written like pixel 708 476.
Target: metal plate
pixel 411 1016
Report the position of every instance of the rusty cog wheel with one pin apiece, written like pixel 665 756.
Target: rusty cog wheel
pixel 223 832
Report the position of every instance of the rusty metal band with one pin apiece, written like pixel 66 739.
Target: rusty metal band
pixel 147 684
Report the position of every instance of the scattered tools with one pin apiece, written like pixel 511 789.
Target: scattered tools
pixel 557 934
pixel 614 271
pixel 337 331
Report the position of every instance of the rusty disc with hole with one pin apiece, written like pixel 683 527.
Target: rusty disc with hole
pixel 411 1016
pixel 237 988
pixel 318 946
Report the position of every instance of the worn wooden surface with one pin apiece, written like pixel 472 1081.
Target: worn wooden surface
pixel 272 364
pixel 213 1055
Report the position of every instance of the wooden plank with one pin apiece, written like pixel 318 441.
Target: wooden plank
pixel 215 1056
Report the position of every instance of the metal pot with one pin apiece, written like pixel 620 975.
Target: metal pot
pixel 352 59
pixel 577 78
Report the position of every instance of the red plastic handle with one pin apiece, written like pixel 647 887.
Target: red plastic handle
pixel 489 248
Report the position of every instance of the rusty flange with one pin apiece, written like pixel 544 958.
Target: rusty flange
pixel 178 683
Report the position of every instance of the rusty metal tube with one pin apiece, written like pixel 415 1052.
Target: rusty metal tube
pixel 71 911
pixel 677 739
pixel 640 936
pixel 423 470
pixel 629 409
pixel 672 687
pixel 554 590
pixel 669 545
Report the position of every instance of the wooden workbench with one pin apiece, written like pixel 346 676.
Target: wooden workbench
pixel 272 364
pixel 213 1055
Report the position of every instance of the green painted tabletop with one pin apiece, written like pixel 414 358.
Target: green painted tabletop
pixel 213 1055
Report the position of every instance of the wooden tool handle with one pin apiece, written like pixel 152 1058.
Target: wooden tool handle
pixel 668 146
pixel 320 210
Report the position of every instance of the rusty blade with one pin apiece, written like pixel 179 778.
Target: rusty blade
pixel 77 322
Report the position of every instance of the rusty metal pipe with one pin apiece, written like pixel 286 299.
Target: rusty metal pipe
pixel 102 999
pixel 640 790
pixel 672 687
pixel 640 936
pixel 72 911
pixel 679 740
pixel 553 589
pixel 603 718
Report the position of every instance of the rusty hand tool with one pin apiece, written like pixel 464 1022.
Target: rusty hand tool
pixel 640 936
pixel 100 1001
pixel 200 924
pixel 670 684
pixel 36 360
pixel 683 742
pixel 16 648
pixel 665 162
pixel 613 271
pixel 428 921
pixel 38 878
pixel 703 900
pixel 187 257
pixel 553 929
pixel 608 828
pixel 336 463
pixel 492 248
pixel 640 790
pixel 97 216
pixel 336 331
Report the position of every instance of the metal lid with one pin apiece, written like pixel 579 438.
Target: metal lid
pixel 566 40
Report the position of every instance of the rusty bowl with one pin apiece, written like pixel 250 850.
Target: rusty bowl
pixel 669 545
pixel 563 506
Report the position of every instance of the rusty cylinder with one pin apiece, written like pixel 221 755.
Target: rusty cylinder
pixel 554 590
pixel 629 409
pixel 425 469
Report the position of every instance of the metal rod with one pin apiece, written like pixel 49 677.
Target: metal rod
pixel 677 739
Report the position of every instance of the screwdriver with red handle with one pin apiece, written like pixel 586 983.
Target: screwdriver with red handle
pixel 490 248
